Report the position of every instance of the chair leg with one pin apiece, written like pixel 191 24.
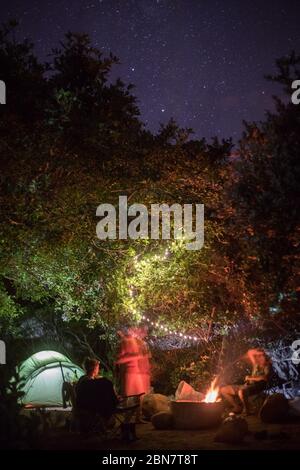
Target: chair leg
pixel 128 432
pixel 132 428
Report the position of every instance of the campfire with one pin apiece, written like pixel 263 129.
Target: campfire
pixel 199 414
pixel 212 393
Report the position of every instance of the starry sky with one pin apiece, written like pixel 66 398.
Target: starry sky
pixel 201 62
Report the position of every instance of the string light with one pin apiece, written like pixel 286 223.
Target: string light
pixel 169 331
pixel 131 292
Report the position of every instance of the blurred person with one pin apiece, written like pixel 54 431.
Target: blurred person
pixel 134 366
pixel 238 395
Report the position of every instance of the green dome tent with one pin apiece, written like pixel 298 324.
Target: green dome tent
pixel 42 376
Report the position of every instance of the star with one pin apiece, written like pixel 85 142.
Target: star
pixel 195 60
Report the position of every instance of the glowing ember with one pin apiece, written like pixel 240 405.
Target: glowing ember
pixel 212 393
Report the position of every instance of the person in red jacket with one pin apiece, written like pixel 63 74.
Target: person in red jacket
pixel 134 366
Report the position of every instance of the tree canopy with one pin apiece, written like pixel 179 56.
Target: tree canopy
pixel 71 139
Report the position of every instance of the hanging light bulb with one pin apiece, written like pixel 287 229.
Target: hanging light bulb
pixel 131 293
pixel 168 330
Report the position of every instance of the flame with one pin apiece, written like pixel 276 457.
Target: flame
pixel 212 393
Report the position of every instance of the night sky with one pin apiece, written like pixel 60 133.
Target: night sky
pixel 199 61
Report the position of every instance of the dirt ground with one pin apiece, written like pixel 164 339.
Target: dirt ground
pixel 152 439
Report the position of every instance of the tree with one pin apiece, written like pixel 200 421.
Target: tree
pixel 58 278
pixel 92 113
pixel 268 199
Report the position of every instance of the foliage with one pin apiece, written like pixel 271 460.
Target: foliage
pixel 268 212
pixel 17 431
pixel 77 141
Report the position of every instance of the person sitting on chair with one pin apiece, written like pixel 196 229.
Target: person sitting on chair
pixel 94 393
pixel 254 383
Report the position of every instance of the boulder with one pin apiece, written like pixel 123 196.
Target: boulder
pixel 232 431
pixel 162 420
pixel 154 403
pixel 275 408
pixel 295 406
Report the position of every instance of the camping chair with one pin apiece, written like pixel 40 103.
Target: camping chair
pixel 256 401
pixel 87 422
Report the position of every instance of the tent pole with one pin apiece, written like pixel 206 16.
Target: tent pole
pixel 62 371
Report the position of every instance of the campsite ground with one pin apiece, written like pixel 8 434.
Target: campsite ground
pixel 152 439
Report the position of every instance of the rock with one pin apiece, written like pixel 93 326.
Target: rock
pixel 162 420
pixel 232 431
pixel 294 406
pixel 154 403
pixel 275 409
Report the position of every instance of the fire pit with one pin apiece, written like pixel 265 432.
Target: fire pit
pixel 196 415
